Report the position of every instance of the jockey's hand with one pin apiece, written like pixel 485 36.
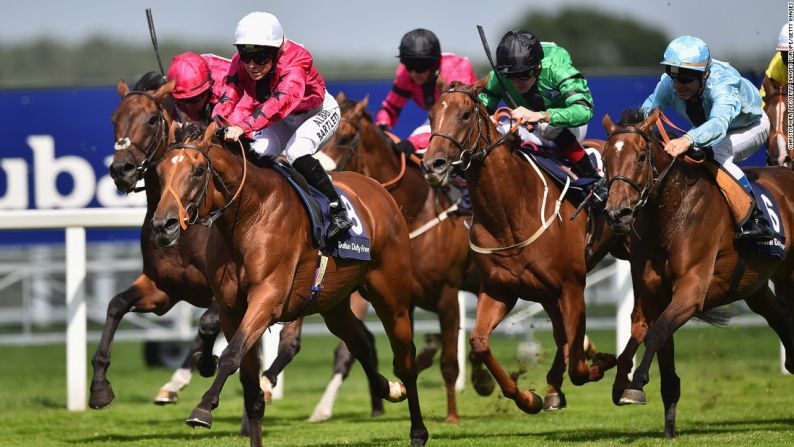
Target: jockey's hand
pixel 383 127
pixel 677 146
pixel 526 116
pixel 233 133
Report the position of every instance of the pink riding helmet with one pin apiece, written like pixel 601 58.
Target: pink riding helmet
pixel 192 75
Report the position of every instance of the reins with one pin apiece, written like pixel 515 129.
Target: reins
pixel 186 217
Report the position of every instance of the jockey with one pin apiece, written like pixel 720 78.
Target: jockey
pixel 275 97
pixel 724 108
pixel 198 83
pixel 546 91
pixel 423 70
pixel 777 66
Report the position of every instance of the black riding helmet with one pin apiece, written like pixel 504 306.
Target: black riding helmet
pixel 420 44
pixel 518 52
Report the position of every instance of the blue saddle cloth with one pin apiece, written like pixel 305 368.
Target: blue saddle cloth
pixel 349 244
pixel 552 166
pixel 766 203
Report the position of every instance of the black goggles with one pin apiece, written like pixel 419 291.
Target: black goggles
pixel 523 75
pixel 683 75
pixel 259 58
pixel 419 65
pixel 192 99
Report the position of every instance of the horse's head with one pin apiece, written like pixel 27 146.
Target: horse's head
pixel 342 153
pixel 630 165
pixel 139 126
pixel 459 122
pixel 775 101
pixel 186 177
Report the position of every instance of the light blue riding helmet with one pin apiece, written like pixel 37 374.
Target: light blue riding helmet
pixel 688 52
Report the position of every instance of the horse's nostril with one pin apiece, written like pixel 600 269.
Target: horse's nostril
pixel 439 164
pixel 171 224
pixel 624 212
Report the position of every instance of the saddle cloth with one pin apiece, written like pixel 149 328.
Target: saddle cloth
pixel 766 203
pixel 560 171
pixel 350 244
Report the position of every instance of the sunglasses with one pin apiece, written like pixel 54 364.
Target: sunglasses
pixel 419 66
pixel 682 76
pixel 524 75
pixel 258 58
pixel 193 99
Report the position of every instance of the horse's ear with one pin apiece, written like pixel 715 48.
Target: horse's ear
pixel 223 121
pixel 340 97
pixel 650 120
pixel 609 126
pixel 172 132
pixel 208 134
pixel 164 90
pixel 122 88
pixel 478 86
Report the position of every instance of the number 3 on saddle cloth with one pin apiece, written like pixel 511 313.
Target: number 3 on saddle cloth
pixel 560 171
pixel 350 244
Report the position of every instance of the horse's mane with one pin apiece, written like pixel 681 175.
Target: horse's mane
pixel 149 81
pixel 189 131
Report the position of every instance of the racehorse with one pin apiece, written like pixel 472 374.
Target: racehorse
pixel 775 103
pixel 684 260
pixel 534 256
pixel 257 213
pixel 439 249
pixel 140 126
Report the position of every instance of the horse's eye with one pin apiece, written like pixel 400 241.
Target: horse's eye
pixel 153 121
pixel 199 171
pixel 641 157
pixel 466 115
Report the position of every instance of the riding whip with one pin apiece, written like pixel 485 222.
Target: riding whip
pixel 513 104
pixel 154 39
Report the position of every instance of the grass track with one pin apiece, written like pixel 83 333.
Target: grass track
pixel 732 394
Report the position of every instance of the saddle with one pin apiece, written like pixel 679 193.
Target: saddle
pixel 560 171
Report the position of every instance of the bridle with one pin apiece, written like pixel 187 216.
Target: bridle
pixel 155 141
pixel 352 146
pixel 470 152
pixel 188 215
pixel 780 113
pixel 653 179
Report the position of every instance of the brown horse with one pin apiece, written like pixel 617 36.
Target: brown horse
pixel 775 101
pixel 683 259
pixel 439 247
pixel 261 220
pixel 537 256
pixel 140 127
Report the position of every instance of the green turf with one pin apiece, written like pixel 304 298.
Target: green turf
pixel 732 394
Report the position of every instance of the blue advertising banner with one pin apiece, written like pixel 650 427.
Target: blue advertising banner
pixel 58 143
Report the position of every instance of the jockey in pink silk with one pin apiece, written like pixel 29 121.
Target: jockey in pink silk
pixel 198 83
pixel 423 70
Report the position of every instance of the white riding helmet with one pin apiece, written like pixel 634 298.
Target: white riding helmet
pixel 782 38
pixel 259 28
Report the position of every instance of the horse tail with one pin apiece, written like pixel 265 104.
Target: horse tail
pixel 717 317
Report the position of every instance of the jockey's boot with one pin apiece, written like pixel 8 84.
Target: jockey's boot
pixel 310 168
pixel 584 168
pixel 755 227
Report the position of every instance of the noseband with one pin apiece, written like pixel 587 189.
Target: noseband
pixel 470 153
pixel 154 142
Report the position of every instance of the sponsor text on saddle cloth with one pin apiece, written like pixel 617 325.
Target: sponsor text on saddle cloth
pixel 352 244
pixel 766 203
pixel 560 173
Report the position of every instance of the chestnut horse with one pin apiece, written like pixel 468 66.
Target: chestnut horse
pixel 683 259
pixel 775 103
pixel 140 126
pixel 539 253
pixel 262 223
pixel 439 247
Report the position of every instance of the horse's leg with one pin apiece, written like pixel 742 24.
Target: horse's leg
pixel 491 312
pixel 288 347
pixel 766 304
pixel 555 398
pixel 391 303
pixel 247 332
pixel 143 294
pixel 670 385
pixel 449 321
pixel 253 397
pixel 209 328
pixel 625 361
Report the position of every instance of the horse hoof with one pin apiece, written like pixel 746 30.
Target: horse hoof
pixel 207 365
pixel 199 417
pixel 166 397
pixel 452 419
pixel 418 442
pixel 633 397
pixel 554 402
pixel 267 389
pixel 101 396
pixel 616 393
pixel 419 437
pixel 482 381
pixel 319 416
pixel 534 405
pixel 605 361
pixel 377 413
pixel 397 392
